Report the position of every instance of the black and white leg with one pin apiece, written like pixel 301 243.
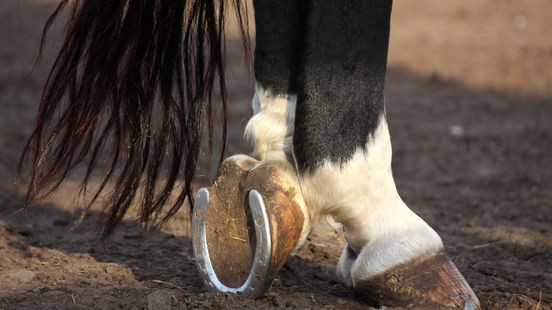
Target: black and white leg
pixel 343 152
pixel 278 211
pixel 280 32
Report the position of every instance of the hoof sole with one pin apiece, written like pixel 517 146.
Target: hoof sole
pixel 246 225
pixel 258 281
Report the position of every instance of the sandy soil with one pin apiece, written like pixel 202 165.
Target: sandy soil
pixel 469 100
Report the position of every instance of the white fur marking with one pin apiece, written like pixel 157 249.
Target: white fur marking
pixel 271 127
pixel 361 194
pixel 343 270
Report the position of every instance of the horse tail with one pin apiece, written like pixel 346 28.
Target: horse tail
pixel 134 81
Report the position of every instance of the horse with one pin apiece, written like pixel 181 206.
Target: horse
pixel 135 80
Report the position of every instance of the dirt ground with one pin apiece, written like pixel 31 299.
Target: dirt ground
pixel 469 102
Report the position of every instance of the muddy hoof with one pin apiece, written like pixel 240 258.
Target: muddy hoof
pixel 433 282
pixel 246 225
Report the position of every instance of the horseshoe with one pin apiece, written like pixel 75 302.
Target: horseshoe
pixel 261 202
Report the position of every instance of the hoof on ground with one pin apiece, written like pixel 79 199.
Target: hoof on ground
pixel 431 282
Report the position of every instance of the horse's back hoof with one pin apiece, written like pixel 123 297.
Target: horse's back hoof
pixel 245 226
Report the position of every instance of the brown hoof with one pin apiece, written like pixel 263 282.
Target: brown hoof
pixel 246 225
pixel 433 282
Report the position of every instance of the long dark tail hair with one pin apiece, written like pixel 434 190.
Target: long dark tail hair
pixel 134 78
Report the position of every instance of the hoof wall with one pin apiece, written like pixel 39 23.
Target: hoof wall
pixel 433 282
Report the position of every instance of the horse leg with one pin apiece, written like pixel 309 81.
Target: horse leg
pixel 279 34
pixel 279 31
pixel 342 148
pixel 258 195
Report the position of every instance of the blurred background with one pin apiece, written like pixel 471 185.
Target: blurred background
pixel 469 103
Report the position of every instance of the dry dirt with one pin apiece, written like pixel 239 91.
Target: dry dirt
pixel 469 100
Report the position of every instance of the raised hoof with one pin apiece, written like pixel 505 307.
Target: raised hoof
pixel 245 225
pixel 433 282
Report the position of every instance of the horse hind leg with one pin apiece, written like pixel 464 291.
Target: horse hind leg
pixel 343 153
pixel 279 33
pixel 392 256
pixel 269 180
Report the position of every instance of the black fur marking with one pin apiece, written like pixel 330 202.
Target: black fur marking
pixel 340 98
pixel 333 55
pixel 280 28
